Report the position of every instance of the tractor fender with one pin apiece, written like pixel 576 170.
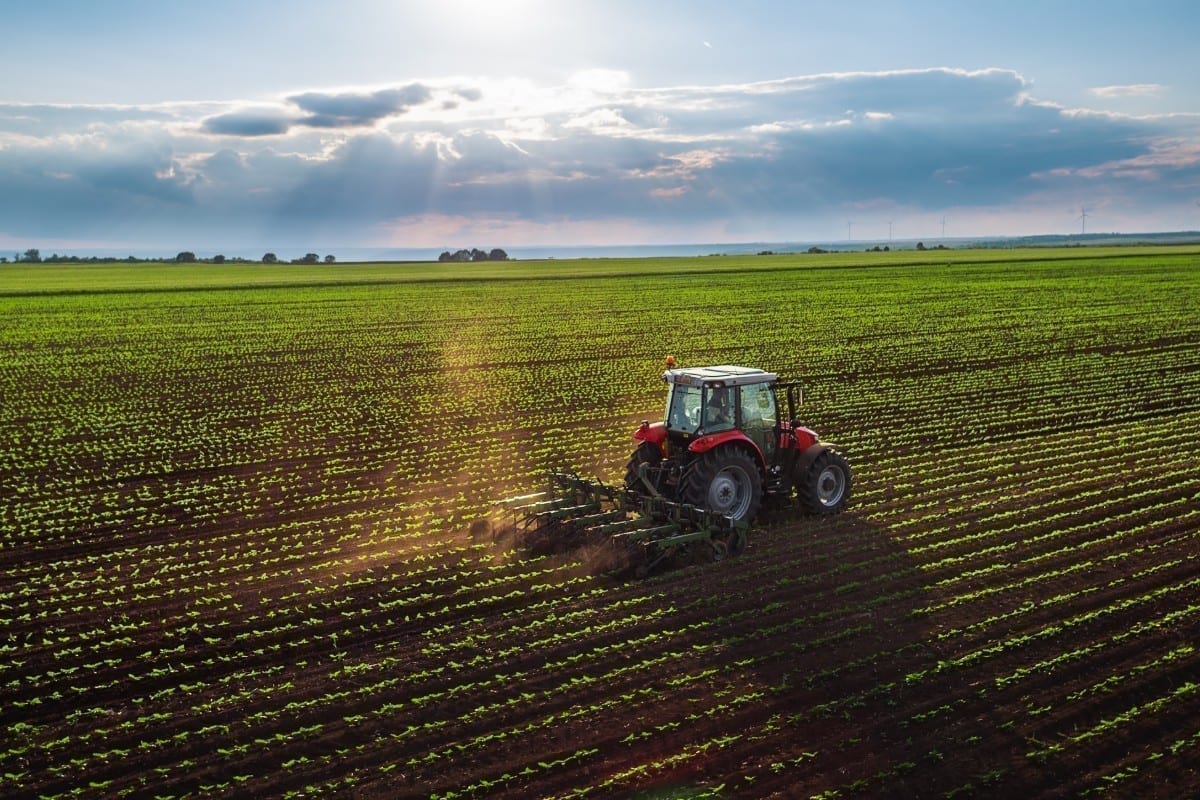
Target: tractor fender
pixel 806 459
pixel 802 438
pixel 655 433
pixel 733 437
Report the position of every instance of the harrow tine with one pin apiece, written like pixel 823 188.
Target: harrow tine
pixel 615 528
pixel 540 505
pixel 641 534
pixel 508 501
pixel 566 513
pixel 590 521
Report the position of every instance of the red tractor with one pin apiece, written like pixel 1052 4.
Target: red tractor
pixel 699 477
pixel 725 445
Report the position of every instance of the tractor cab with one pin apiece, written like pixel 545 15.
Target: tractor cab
pixel 711 400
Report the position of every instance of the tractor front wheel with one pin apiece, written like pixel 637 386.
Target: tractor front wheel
pixel 824 488
pixel 725 480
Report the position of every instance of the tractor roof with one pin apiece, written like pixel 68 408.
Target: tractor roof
pixel 725 375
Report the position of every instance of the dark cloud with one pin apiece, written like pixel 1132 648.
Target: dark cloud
pixel 223 165
pixel 926 92
pixel 91 191
pixel 976 160
pixel 369 178
pixel 322 110
pixel 248 123
pixel 354 109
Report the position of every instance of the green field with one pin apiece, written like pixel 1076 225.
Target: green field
pixel 234 549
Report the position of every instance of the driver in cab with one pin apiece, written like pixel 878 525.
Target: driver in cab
pixel 719 414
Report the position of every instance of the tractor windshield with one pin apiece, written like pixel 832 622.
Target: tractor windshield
pixel 683 408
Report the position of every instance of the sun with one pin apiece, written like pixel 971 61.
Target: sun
pixel 492 17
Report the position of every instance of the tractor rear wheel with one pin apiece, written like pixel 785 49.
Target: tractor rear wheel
pixel 824 488
pixel 646 453
pixel 725 480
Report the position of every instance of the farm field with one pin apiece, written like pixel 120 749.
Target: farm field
pixel 238 553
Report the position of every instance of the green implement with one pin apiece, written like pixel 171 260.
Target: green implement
pixel 644 530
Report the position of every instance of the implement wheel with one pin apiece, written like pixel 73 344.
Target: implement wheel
pixel 725 480
pixel 824 488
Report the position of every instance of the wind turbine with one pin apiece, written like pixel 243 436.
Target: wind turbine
pixel 1082 220
pixel 943 227
pixel 890 229
pixel 849 225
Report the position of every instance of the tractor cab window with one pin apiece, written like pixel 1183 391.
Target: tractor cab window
pixel 718 409
pixel 683 408
pixel 759 416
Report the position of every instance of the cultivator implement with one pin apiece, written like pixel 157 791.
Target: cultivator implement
pixel 643 529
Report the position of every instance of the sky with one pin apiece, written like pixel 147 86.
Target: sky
pixel 243 126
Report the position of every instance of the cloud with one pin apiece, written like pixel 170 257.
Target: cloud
pixel 784 159
pixel 358 109
pixel 48 121
pixel 249 123
pixel 602 120
pixel 328 110
pixel 1163 157
pixel 1128 90
pixel 471 94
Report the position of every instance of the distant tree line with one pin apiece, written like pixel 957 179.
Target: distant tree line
pixel 474 254
pixel 814 250
pixel 188 257
pixel 309 258
pixel 34 256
